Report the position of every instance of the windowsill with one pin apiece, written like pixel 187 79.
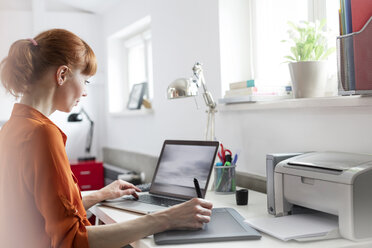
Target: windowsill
pixel 321 102
pixel 134 112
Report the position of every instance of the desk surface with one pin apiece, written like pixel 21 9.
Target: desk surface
pixel 256 207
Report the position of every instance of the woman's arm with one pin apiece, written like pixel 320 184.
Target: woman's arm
pixel 114 190
pixel 92 199
pixel 191 214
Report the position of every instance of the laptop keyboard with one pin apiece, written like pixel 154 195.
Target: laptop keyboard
pixel 160 201
pixel 144 187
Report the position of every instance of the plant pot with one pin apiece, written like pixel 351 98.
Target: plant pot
pixel 309 78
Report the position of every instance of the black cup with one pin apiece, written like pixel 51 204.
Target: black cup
pixel 241 197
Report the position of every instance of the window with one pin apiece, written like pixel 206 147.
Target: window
pixel 269 28
pixel 138 50
pixel 129 63
pixel 262 45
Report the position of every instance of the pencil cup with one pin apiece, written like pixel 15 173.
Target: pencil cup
pixel 224 179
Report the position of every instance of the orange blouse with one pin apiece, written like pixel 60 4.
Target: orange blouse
pixel 40 202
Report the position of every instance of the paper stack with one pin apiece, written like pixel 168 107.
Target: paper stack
pixel 300 227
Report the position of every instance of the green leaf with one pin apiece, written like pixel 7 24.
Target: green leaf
pixel 307 51
pixel 295 53
pixel 299 51
pixel 291 24
pixel 290 58
pixel 328 52
pixel 309 40
pixel 322 24
pixel 318 52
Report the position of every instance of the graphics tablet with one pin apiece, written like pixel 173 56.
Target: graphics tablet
pixel 226 224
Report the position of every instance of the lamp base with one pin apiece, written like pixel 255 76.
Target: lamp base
pixel 88 158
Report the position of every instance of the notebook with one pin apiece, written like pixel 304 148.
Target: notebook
pixel 180 161
pixel 226 224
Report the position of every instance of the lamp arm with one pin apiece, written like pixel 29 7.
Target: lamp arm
pixel 88 144
pixel 198 72
pixel 86 114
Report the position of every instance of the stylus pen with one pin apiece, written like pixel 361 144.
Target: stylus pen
pixel 197 188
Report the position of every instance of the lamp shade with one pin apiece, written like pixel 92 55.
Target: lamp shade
pixel 75 117
pixel 182 87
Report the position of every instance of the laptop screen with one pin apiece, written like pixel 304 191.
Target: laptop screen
pixel 179 163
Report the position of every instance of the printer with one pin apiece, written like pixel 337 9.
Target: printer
pixel 332 182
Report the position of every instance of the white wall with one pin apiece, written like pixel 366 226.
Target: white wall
pixel 20 27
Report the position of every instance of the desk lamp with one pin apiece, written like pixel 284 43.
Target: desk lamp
pixel 185 87
pixel 77 117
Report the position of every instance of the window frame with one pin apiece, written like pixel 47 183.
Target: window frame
pixel 118 66
pixel 143 37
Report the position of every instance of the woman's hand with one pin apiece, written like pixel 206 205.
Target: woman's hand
pixel 117 189
pixel 113 190
pixel 189 215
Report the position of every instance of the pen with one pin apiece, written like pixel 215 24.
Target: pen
pixel 197 188
pixel 235 159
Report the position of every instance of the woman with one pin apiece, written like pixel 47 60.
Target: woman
pixel 41 205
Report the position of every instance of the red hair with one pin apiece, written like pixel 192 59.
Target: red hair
pixel 27 61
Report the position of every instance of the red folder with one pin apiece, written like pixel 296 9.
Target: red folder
pixel 361 11
pixel 363 58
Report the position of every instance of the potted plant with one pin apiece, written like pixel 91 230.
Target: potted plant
pixel 306 63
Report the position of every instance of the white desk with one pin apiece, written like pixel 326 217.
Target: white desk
pixel 256 207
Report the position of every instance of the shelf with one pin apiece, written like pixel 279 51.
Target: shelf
pixel 320 102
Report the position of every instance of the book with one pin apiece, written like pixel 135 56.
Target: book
pixel 340 21
pixel 240 92
pixel 253 98
pixel 262 91
pixel 253 94
pixel 243 84
pixel 342 2
pixel 348 17
pixel 362 10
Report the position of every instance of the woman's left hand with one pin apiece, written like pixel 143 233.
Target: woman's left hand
pixel 117 189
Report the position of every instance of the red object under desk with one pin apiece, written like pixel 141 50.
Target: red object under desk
pixel 89 174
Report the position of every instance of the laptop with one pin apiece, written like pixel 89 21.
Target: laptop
pixel 180 161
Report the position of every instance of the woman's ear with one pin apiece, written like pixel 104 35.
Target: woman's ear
pixel 61 74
